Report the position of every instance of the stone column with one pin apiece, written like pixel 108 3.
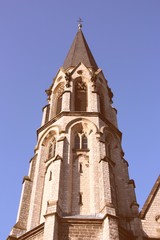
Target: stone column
pixel 110 228
pixel 66 101
pixel 50 227
pixel 93 99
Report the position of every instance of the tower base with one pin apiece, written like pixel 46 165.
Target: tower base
pixel 78 227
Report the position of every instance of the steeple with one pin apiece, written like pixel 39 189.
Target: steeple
pixel 78 186
pixel 80 52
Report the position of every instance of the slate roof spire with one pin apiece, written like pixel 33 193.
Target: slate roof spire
pixel 79 52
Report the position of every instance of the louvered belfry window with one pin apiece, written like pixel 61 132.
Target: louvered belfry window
pixel 77 142
pixel 80 96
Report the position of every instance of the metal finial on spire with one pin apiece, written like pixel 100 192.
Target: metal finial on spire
pixel 79 23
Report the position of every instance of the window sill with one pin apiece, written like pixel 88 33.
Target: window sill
pixel 80 150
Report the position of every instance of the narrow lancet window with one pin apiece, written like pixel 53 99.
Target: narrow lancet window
pixel 77 142
pixel 84 142
pixel 52 148
pixel 80 168
pixel 80 199
pixel 59 104
pixel 80 96
pixel 47 113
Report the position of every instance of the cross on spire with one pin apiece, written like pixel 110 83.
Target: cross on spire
pixel 79 23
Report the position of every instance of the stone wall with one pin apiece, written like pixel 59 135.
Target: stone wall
pixel 35 234
pixel 151 221
pixel 80 230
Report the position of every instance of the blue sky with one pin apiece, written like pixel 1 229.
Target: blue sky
pixel 36 35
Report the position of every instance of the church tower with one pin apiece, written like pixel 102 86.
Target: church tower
pixel 78 186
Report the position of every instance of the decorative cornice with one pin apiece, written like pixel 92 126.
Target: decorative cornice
pixel 82 114
pixel 81 219
pixel 32 232
pixel 80 150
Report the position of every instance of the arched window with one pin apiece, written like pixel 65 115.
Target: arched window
pixel 77 142
pixel 59 104
pixel 80 96
pixel 80 141
pixel 52 148
pixel 84 142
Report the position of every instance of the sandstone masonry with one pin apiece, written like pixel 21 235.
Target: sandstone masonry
pixel 78 186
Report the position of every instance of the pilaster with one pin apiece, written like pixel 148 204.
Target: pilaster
pixel 51 226
pixel 110 228
pixel 66 100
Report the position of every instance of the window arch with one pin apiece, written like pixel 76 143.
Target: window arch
pixel 52 148
pixel 80 96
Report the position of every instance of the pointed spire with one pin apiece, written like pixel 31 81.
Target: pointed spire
pixel 80 52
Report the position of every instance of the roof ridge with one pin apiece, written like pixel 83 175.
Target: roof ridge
pixel 150 197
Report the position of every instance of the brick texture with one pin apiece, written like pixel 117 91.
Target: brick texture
pixel 80 231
